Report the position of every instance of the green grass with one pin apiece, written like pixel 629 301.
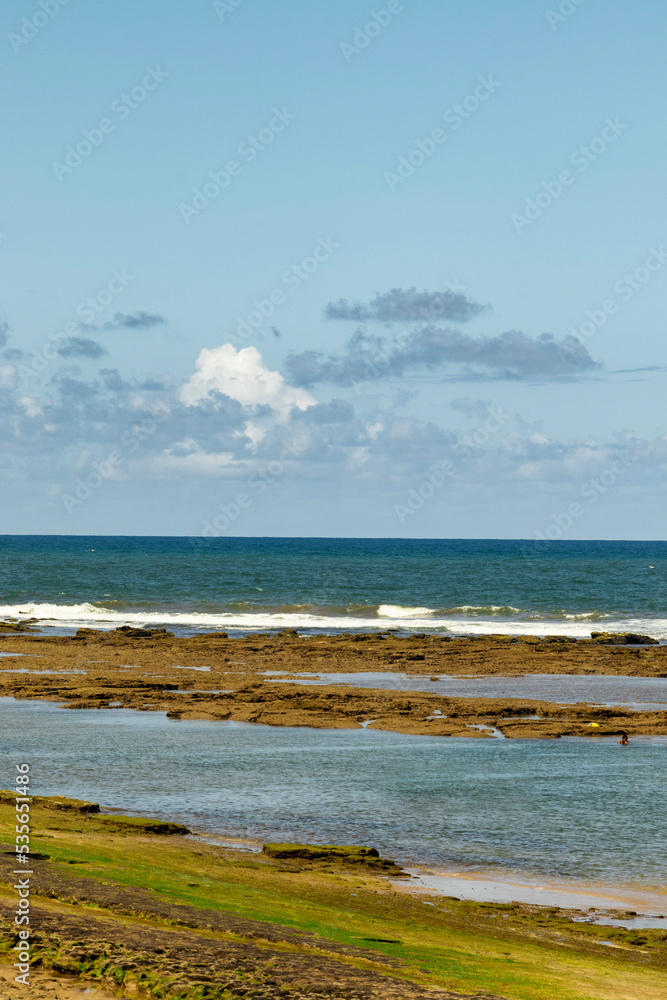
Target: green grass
pixel 460 945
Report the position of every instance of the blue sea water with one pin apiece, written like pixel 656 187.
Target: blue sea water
pixel 335 585
pixel 565 809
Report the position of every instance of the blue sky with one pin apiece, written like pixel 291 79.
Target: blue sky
pixel 530 142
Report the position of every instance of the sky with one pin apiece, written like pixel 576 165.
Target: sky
pixel 333 269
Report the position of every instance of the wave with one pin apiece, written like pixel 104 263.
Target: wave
pixel 50 612
pixel 490 609
pixel 464 619
pixel 397 611
pixel 587 616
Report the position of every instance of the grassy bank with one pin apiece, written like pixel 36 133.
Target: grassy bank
pixel 113 901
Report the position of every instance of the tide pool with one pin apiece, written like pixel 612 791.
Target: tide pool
pixel 565 809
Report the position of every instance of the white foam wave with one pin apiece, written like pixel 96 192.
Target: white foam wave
pixel 57 612
pixel 74 616
pixel 472 609
pixel 587 616
pixel 397 611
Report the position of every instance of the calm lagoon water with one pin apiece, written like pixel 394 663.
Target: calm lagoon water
pixel 568 809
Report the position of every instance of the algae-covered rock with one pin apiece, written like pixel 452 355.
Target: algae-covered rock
pixel 24 626
pixel 139 824
pixel 58 802
pixel 124 632
pixel 63 804
pixel 7 797
pixel 623 639
pixel 313 852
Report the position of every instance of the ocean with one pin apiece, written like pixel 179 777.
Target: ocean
pixel 334 585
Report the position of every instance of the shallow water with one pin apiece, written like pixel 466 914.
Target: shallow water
pixel 564 809
pixel 604 906
pixel 27 670
pixel 648 693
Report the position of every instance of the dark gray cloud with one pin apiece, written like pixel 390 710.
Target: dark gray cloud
pixel 136 321
pixel 408 306
pixel 126 321
pixel 80 347
pixel 510 355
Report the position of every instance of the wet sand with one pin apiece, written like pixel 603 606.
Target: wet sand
pixel 640 907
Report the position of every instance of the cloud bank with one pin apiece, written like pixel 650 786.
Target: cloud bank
pixel 407 306
pixel 138 321
pixel 512 355
pixel 128 321
pixel 80 347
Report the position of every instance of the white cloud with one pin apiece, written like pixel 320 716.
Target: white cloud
pixel 243 376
